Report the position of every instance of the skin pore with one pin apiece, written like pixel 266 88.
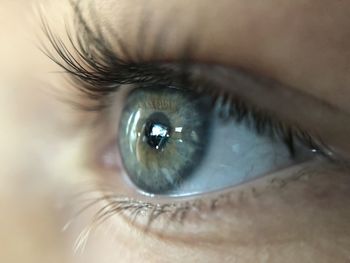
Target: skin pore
pixel 289 216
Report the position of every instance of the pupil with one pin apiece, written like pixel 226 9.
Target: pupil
pixel 157 130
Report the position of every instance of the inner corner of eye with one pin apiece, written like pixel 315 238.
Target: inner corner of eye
pixel 175 142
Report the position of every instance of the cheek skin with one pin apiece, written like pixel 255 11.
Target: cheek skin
pixel 303 218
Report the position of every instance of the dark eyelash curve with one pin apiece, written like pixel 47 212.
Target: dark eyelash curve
pixel 97 71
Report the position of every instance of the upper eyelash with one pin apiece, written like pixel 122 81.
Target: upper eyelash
pixel 97 71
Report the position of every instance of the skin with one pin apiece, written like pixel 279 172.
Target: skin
pixel 301 217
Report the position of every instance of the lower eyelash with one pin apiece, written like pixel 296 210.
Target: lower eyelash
pixel 145 215
pixel 111 205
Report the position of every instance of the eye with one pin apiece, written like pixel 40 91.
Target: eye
pixel 176 142
pixel 187 127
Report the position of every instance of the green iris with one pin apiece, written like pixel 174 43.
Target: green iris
pixel 162 137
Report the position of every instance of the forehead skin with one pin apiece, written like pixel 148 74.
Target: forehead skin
pixel 304 43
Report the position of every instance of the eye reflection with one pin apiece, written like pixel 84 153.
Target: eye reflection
pixel 157 131
pixel 176 142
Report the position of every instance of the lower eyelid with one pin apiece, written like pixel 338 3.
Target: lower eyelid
pixel 235 209
pixel 202 206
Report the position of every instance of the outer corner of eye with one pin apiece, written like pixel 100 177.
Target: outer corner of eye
pixel 173 142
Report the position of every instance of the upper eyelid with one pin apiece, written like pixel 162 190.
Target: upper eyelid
pixel 86 35
pixel 77 61
pixel 92 81
pixel 91 31
pixel 89 68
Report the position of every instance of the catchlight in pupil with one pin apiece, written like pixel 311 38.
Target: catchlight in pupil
pixel 157 130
